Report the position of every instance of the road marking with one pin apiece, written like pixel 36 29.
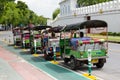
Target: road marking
pixel 72 71
pixel 90 76
pixel 96 78
pixel 81 73
pixel 54 62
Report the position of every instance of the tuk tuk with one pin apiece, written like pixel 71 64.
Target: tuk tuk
pixel 17 36
pixel 52 48
pixel 36 39
pixel 25 37
pixel 77 40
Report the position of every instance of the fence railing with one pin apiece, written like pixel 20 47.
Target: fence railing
pixel 97 8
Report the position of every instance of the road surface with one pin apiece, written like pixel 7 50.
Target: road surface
pixel 111 69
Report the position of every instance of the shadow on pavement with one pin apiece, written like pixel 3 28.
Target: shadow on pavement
pixel 81 68
pixel 25 53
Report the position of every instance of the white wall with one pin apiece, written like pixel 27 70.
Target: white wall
pixel 110 14
pixel 113 21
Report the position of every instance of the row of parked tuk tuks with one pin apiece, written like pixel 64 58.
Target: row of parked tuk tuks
pixel 70 42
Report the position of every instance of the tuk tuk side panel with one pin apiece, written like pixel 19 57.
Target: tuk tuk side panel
pixel 94 53
pixel 27 41
pixel 74 53
pixel 64 42
pixel 64 46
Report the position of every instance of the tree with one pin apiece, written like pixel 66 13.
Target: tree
pixel 21 5
pixel 8 15
pixel 42 20
pixel 2 5
pixel 18 13
pixel 55 13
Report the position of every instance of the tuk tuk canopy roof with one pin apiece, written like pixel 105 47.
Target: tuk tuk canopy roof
pixel 86 24
pixel 40 27
pixel 25 28
pixel 16 28
pixel 56 29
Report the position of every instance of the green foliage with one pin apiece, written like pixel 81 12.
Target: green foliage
pixel 21 5
pixel 110 33
pixel 55 13
pixel 114 33
pixel 103 33
pixel 90 2
pixel 2 5
pixel 42 20
pixel 19 13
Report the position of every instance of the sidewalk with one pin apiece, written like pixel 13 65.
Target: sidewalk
pixel 13 67
pixel 36 68
pixel 7 72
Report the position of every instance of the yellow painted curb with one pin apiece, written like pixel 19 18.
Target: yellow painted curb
pixel 24 50
pixel 15 46
pixel 91 77
pixel 54 62
pixel 36 55
pixel 9 43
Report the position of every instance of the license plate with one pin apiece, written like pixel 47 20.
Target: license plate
pixel 94 61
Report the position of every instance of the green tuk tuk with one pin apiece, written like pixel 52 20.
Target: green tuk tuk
pixel 77 40
pixel 36 42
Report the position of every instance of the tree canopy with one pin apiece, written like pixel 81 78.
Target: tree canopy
pixel 56 12
pixel 19 14
pixel 2 5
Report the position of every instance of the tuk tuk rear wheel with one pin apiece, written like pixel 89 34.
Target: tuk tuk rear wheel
pixel 73 65
pixel 66 60
pixel 100 64
pixel 46 57
pixel 32 50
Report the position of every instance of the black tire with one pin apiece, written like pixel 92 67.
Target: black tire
pixel 100 64
pixel 73 65
pixel 46 57
pixel 66 60
pixel 32 50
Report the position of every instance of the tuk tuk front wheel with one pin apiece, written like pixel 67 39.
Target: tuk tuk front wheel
pixel 73 65
pixel 46 57
pixel 66 60
pixel 101 62
pixel 32 50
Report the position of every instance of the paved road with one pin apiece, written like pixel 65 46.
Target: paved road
pixel 111 69
pixel 54 71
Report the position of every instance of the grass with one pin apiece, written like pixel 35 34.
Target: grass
pixel 114 38
pixel 110 38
